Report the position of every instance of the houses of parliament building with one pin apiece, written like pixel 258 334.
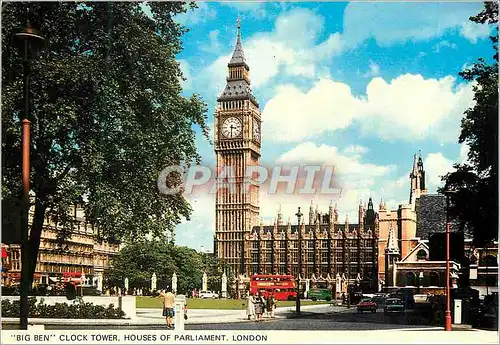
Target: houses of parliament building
pixel 330 247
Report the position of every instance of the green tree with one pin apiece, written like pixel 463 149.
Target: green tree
pixel 107 115
pixel 475 205
pixel 139 260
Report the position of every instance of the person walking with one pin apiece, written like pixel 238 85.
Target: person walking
pixel 270 305
pixel 168 306
pixel 250 307
pixel 259 307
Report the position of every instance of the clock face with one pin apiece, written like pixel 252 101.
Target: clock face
pixel 256 130
pixel 231 127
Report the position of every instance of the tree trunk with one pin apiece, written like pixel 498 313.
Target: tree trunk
pixel 35 235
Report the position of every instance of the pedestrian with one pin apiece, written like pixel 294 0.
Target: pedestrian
pixel 250 307
pixel 259 306
pixel 271 305
pixel 168 306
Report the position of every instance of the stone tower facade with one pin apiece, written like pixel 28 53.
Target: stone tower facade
pixel 237 139
pixel 391 257
pixel 417 178
pixel 403 220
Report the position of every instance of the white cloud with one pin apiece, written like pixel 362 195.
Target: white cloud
pixel 309 152
pixel 356 179
pixel 186 71
pixel 436 165
pixel 214 45
pixel 254 9
pixel 408 107
pixel 373 70
pixel 200 229
pixel 396 22
pixel 473 31
pixel 292 48
pixel 356 149
pixel 443 44
pixel 199 15
pixel 411 107
pixel 464 153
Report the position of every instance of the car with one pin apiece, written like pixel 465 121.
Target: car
pixel 208 294
pixel 366 304
pixel 319 294
pixel 394 306
pixel 379 299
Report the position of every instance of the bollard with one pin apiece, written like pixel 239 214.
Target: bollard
pixel 458 312
pixel 180 301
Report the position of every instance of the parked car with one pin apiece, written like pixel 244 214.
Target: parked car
pixel 208 294
pixel 319 294
pixel 366 304
pixel 394 306
pixel 379 299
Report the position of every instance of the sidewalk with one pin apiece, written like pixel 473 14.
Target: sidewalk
pixel 154 317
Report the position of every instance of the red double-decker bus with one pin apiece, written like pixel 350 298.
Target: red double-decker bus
pixel 283 286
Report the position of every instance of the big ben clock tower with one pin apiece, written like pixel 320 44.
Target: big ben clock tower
pixel 237 145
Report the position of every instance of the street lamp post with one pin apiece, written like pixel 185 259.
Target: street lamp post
pixel 299 254
pixel 30 41
pixel 447 315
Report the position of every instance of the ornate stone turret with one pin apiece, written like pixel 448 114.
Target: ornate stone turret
pixel 417 179
pixel 280 217
pixel 392 245
pixel 331 215
pixel 391 257
pixel 311 214
pixel 361 214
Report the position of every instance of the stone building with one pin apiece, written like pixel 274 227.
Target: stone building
pixel 329 249
pixel 81 253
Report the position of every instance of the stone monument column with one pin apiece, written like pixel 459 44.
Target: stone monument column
pixel 153 282
pixel 174 283
pixel 99 282
pixel 204 286
pixel 126 286
pixel 224 285
pixel 338 286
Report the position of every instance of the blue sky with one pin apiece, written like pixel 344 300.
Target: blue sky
pixel 361 86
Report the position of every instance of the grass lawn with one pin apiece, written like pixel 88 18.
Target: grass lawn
pixel 198 303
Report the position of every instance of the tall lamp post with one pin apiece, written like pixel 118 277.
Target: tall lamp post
pixel 447 315
pixel 299 257
pixel 30 42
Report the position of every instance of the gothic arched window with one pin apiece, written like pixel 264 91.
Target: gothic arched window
pixel 410 279
pixel 433 279
pixel 421 255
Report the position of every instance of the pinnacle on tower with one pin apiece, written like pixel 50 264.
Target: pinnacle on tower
pixel 392 245
pixel 238 57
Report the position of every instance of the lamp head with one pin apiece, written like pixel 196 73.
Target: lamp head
pixel 31 39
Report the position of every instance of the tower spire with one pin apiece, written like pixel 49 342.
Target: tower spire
pixel 238 57
pixel 392 246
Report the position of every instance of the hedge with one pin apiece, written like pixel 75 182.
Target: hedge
pixel 76 310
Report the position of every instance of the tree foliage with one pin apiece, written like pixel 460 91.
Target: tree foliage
pixel 139 260
pixel 107 115
pixel 475 205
